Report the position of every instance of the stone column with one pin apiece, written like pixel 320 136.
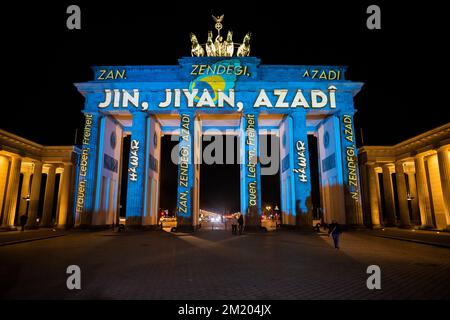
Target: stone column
pixel 444 172
pixel 186 176
pixel 25 192
pixel 136 171
pixel 9 212
pixel 374 200
pixel 35 194
pixel 413 194
pixel 350 174
pixel 424 196
pixel 48 197
pixel 301 169
pixel 87 170
pixel 402 195
pixel 250 170
pixel 64 207
pixel 389 195
pixel 4 169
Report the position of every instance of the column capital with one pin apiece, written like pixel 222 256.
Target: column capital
pixel 140 113
pixel 243 113
pixel 372 164
pixel 346 112
pixel 14 156
pixel 419 156
pixel 399 167
pixel 297 113
pixel 48 165
pixel 389 165
pixel 443 148
pixel 92 113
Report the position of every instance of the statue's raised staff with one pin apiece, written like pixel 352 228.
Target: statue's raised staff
pixel 220 47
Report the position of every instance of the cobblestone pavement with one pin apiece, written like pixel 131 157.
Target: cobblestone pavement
pixel 438 238
pixel 8 237
pixel 217 265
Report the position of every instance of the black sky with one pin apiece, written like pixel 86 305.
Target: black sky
pixel 42 58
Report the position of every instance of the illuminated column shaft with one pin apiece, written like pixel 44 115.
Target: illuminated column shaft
pixel 389 196
pixel 136 171
pixel 250 172
pixel 402 195
pixel 186 176
pixel 64 204
pixel 87 170
pixel 374 201
pixel 25 192
pixel 35 193
pixel 9 210
pixel 424 195
pixel 48 198
pixel 301 169
pixel 351 177
pixel 413 194
pixel 4 169
pixel 444 172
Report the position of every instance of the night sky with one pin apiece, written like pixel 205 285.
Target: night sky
pixel 42 58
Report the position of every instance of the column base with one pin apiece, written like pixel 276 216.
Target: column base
pixel 46 225
pixel 8 228
pixel 133 222
pixel 186 228
pixel 290 227
pixel 391 225
pixel 32 227
pixel 426 227
pixel 304 220
pixel 376 226
pixel 253 228
pixel 151 227
pixel 83 226
pixel 184 224
pixel 356 226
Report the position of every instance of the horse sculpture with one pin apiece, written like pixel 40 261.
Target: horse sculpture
pixel 210 48
pixel 229 45
pixel 244 48
pixel 196 49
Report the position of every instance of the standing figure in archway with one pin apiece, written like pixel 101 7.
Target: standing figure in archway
pixel 234 224
pixel 241 223
pixel 334 230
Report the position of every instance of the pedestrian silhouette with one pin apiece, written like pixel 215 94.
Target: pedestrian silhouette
pixel 23 221
pixel 234 224
pixel 241 223
pixel 334 229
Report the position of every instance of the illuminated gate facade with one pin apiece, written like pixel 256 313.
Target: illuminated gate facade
pixel 237 95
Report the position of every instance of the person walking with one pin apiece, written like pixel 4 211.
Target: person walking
pixel 241 223
pixel 334 229
pixel 23 221
pixel 234 224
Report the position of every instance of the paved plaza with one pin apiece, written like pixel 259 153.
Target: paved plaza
pixel 216 265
